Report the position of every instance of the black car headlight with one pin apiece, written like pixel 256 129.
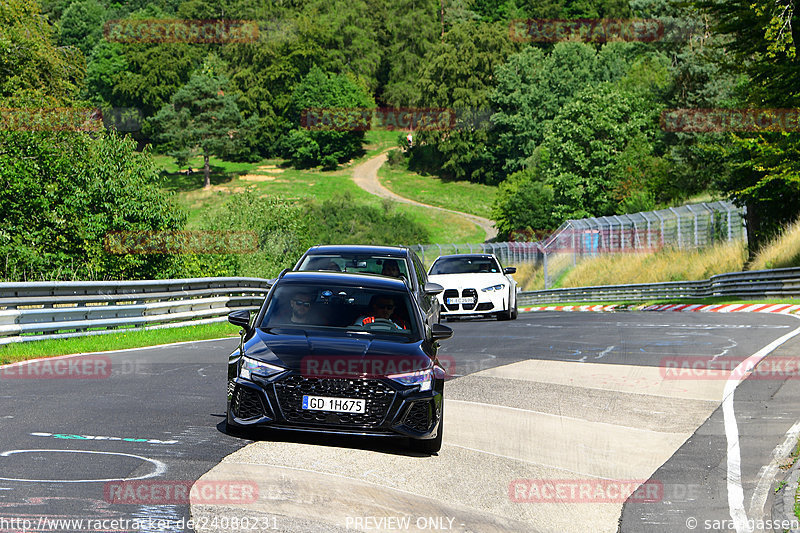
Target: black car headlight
pixel 423 378
pixel 252 367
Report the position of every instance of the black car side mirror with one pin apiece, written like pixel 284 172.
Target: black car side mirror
pixel 440 332
pixel 510 270
pixel 240 318
pixel 432 288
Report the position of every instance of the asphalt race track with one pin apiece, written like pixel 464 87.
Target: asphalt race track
pixel 553 422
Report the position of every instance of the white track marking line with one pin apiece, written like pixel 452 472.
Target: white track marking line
pixel 160 467
pixel 767 473
pixel 734 461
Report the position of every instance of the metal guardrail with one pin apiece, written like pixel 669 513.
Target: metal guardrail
pixel 62 309
pixel 777 283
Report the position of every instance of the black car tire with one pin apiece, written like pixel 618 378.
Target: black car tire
pixel 505 315
pixel 431 446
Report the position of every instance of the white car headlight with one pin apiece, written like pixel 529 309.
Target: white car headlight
pixel 423 378
pixel 499 287
pixel 259 368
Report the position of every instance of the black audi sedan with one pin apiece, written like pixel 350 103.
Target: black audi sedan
pixel 339 353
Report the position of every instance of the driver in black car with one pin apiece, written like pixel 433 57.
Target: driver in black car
pixel 381 308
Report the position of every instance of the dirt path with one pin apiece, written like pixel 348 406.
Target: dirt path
pixel 366 176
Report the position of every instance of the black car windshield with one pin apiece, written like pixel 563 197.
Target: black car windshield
pixel 464 265
pixel 395 267
pixel 353 309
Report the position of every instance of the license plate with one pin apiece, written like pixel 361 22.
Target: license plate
pixel 453 301
pixel 339 405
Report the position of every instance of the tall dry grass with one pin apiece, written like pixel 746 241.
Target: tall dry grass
pixel 614 269
pixel 781 252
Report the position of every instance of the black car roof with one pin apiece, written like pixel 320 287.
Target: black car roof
pixel 397 251
pixel 466 256
pixel 348 279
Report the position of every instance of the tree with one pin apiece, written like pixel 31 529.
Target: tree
pixel 458 73
pixel 764 168
pixel 32 69
pixel 106 65
pixel 154 71
pixel 533 86
pixel 524 202
pixel 82 24
pixel 408 30
pixel 579 155
pixel 308 147
pixel 201 118
pixel 61 193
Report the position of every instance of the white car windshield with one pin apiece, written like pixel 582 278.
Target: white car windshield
pixel 464 265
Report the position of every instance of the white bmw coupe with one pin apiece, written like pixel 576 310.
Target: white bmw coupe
pixel 475 284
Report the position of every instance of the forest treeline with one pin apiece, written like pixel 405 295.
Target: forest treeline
pixel 566 129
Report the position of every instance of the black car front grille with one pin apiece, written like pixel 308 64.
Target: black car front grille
pixel 450 293
pixel 247 403
pixel 470 293
pixel 419 416
pixel 290 392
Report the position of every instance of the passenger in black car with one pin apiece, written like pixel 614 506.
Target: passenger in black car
pixel 391 268
pixel 381 307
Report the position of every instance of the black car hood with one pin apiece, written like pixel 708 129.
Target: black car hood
pixel 293 349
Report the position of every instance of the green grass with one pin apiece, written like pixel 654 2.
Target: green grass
pixel 275 178
pixel 464 196
pixel 114 341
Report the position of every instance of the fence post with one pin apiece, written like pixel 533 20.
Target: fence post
pixel 661 221
pixel 730 229
pixel 544 263
pixel 696 244
pixel 574 251
pixel 678 217
pixel 710 221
